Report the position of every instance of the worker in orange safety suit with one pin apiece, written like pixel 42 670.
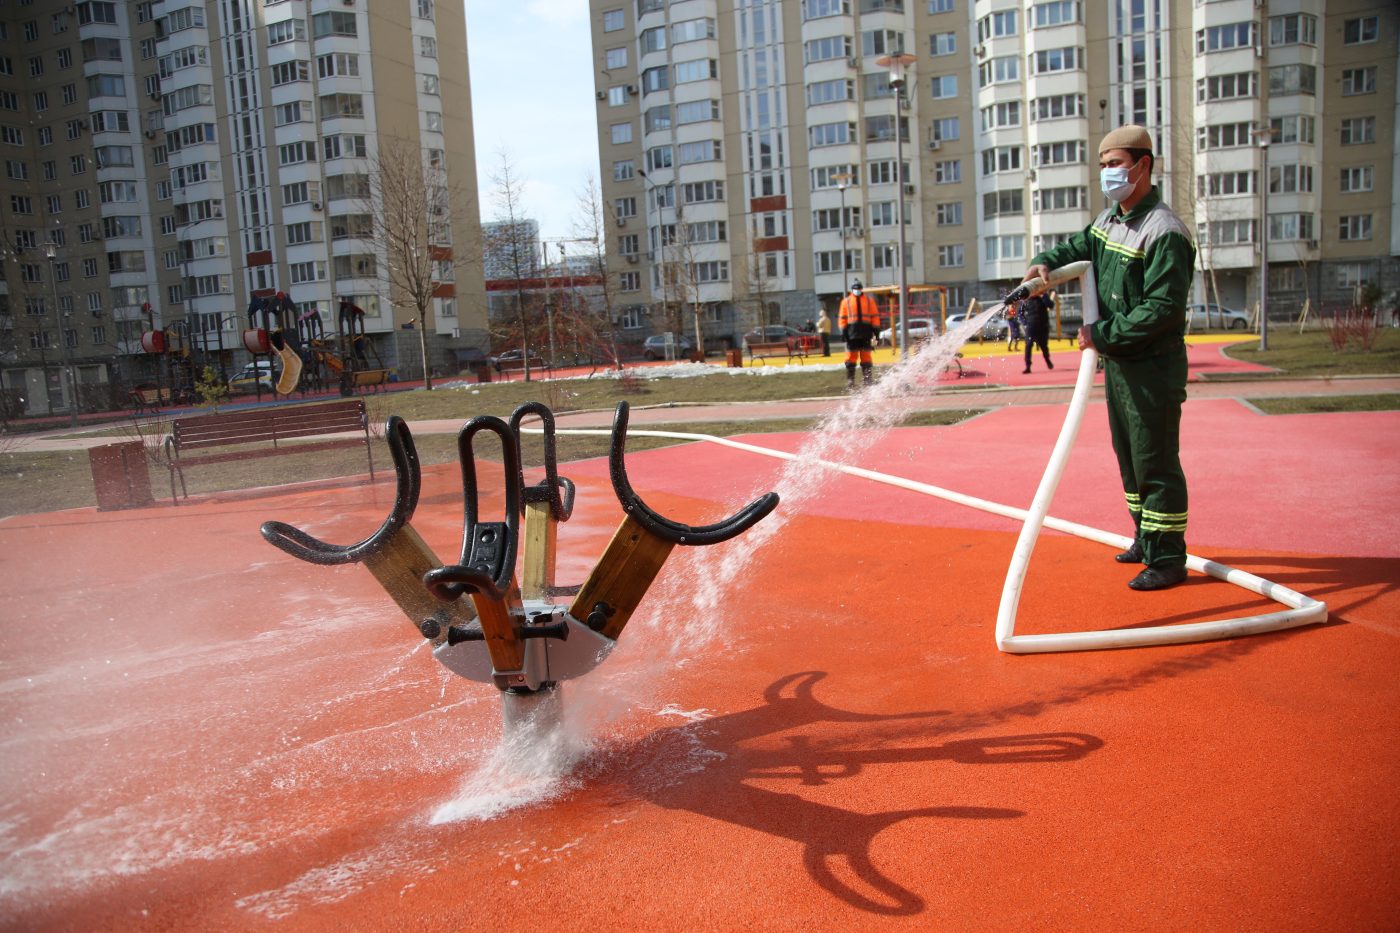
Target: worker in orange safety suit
pixel 859 321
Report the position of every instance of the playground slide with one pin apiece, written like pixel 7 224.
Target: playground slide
pixel 332 361
pixel 291 369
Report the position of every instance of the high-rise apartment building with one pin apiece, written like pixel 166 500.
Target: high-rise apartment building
pixel 749 149
pixel 182 158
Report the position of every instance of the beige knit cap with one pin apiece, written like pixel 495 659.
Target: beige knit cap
pixel 1127 137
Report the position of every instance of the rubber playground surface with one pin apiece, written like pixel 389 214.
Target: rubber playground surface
pixel 804 729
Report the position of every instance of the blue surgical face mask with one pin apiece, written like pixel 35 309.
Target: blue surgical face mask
pixel 1115 184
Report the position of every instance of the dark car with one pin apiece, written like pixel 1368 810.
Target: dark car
pixel 772 333
pixel 654 347
pixel 511 359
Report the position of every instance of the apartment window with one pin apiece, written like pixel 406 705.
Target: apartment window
pixel 334 24
pixel 1290 179
pixel 995 25
pixel 941 6
pixel 1356 274
pixel 882 214
pixel 1221 38
pixel 12 135
pixel 1294 129
pixel 831 218
pixel 1070 152
pixel 615 58
pixel 998 116
pixel 714 271
pixel 167 224
pixel 16 169
pixel 1358 178
pixel 692 29
pixel 64 57
pixel 656 79
pixel 1223 136
pixel 1293 29
pixel 106 86
pixel 287 72
pixel 945 87
pixel 826 92
pixel 45 136
pixel 1001 203
pixel 1072 198
pixel 1225 184
pixel 659 157
pixel 1357 130
pixel 697 111
pixel 1049 61
pixel 617 96
pixel 1358 31
pixel 70 93
pixel 620 133
pixel 427 46
pixel 338 64
pixel 80 199
pixel 288 30
pixel 1358 81
pixel 997 71
pixel 1226 232
pixel 882 172
pixel 831 134
pixel 947 172
pixel 707 150
pixel 613 20
pixel 90 268
pixel 945 129
pixel 425 9
pixel 700 69
pixel 1001 159
pixel 949 214
pixel 816 9
pixel 624 169
pixel 36 66
pixel 1227 87
pixel 312 271
pixel 1056 13
pixel 41 101
pixel 295 153
pixel 943 43
pixel 49 169
pixel 1006 247
pixel 1291 226
pixel 882 128
pixel 826 176
pixel 625 207
pixel 827 49
pixel 881 42
pixel 298 111
pixel 699 192
pixel 631 282
pixel 341 105
pixel 1354 227
pixel 1286 80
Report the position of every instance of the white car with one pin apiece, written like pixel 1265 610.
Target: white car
pixel 919 329
pixel 1204 316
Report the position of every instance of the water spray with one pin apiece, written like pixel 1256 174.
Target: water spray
pixel 510 632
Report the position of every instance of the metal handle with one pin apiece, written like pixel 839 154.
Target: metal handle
pixel 313 550
pixel 664 528
pixel 488 548
pixel 560 506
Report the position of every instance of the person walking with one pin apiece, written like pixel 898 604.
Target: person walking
pixel 1143 259
pixel 859 320
pixel 1034 315
pixel 1013 329
pixel 824 332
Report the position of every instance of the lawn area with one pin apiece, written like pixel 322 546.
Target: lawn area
pixel 1311 354
pixel 1311 405
pixel 67 479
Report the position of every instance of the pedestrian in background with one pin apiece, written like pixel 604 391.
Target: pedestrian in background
pixel 824 331
pixel 1034 315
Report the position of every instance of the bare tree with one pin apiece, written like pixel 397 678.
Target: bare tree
pixel 590 225
pixel 755 285
pixel 513 245
pixel 412 203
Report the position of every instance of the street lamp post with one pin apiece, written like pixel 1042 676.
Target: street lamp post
pixel 898 65
pixel 51 254
pixel 843 181
pixel 1265 137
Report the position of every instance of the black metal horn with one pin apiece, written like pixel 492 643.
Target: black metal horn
pixel 313 550
pixel 488 548
pixel 560 506
pixel 665 528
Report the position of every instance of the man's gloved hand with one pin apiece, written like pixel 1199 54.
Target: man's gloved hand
pixel 846 333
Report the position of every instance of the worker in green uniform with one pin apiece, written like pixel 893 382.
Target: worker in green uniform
pixel 1143 259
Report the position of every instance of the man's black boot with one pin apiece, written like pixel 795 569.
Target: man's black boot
pixel 866 372
pixel 1132 555
pixel 1158 578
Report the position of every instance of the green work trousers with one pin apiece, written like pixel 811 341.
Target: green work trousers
pixel 1144 420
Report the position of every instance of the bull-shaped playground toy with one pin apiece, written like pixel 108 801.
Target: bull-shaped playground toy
pixel 517 637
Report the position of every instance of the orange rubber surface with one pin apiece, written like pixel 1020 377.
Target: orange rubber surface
pixel 814 734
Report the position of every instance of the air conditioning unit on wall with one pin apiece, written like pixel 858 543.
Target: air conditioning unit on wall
pixel 934 145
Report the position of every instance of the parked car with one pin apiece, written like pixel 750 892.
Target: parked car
pixel 1218 316
pixel 995 329
pixel 250 377
pixel 919 329
pixel 654 347
pixel 773 333
pixel 514 357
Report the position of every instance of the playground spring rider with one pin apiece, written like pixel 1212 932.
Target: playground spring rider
pixel 516 638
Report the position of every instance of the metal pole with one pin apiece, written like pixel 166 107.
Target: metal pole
pixel 1264 240
pixel 899 209
pixel 845 271
pixel 66 363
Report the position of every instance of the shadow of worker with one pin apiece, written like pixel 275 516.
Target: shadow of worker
pixel 837 842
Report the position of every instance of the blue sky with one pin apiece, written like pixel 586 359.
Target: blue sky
pixel 532 97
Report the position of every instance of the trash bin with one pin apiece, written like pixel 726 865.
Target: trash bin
pixel 120 476
pixel 734 358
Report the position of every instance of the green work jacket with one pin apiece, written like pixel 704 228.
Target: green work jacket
pixel 1143 265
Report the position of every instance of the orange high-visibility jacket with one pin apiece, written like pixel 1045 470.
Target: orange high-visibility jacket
pixel 861 308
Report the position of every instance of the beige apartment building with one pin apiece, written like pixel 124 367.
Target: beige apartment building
pixel 166 163
pixel 756 159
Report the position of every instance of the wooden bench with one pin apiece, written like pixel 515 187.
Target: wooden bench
pixel 511 366
pixel 262 433
pixel 150 400
pixel 798 347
